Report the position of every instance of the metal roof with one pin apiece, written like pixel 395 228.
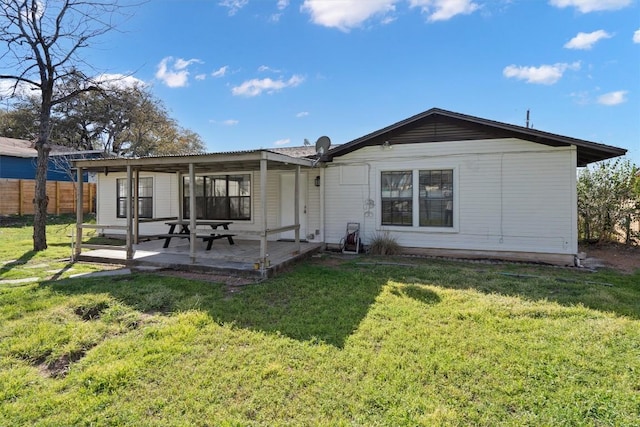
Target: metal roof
pixel 437 125
pixel 205 162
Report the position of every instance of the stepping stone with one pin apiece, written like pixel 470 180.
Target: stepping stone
pixel 18 281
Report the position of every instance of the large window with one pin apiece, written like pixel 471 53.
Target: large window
pixel 220 197
pixel 397 198
pixel 145 197
pixel 436 198
pixel 433 198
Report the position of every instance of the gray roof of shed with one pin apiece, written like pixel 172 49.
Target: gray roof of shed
pixel 13 147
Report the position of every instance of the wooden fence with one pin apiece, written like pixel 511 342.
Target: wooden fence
pixel 16 197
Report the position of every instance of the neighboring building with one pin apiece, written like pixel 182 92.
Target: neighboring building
pixel 440 183
pixel 18 160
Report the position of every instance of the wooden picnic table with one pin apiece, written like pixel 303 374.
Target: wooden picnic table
pixel 184 232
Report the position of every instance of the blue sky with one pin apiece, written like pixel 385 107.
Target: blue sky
pixel 263 73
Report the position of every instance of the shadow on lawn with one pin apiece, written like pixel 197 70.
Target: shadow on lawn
pixel 24 258
pixel 310 303
pixel 606 291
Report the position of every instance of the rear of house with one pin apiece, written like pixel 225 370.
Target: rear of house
pixel 440 183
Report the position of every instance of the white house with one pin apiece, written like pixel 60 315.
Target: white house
pixel 439 182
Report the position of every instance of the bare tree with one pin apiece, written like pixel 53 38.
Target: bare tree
pixel 43 40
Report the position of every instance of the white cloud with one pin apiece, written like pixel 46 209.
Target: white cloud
pixel 442 10
pixel 281 142
pixel 256 87
pixel 118 81
pixel 201 76
pixel 586 6
pixel 302 114
pixel 265 68
pixel 22 89
pixel 346 14
pixel 220 72
pixel 636 36
pixel 544 74
pixel 230 122
pixel 613 98
pixel 181 64
pixel 282 4
pixel 233 5
pixel 581 98
pixel 175 75
pixel 585 41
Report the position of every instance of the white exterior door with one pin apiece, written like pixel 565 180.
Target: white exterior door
pixel 287 208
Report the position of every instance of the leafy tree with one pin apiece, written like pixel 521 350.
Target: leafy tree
pixel 608 201
pixel 42 43
pixel 125 120
pixel 20 122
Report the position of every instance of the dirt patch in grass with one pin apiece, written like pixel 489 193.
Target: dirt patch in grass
pixel 59 368
pixel 91 312
pixel 615 255
pixel 228 281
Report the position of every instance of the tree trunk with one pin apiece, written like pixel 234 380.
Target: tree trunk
pixel 41 200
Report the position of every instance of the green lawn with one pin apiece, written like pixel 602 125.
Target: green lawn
pixel 355 341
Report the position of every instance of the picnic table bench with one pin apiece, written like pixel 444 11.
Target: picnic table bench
pixel 184 232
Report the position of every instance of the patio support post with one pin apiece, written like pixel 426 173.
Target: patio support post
pixel 129 241
pixel 296 208
pixel 192 212
pixel 136 210
pixel 79 214
pixel 180 197
pixel 263 202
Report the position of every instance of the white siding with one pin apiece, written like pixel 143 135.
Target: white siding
pixel 166 203
pixel 165 196
pixel 510 195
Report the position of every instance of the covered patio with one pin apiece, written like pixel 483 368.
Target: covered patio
pixel 256 248
pixel 238 259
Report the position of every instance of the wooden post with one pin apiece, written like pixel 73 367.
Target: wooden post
pixel 90 204
pixel 79 215
pixel 20 197
pixel 136 209
pixel 180 197
pixel 192 212
pixel 57 187
pixel 296 208
pixel 263 200
pixel 129 241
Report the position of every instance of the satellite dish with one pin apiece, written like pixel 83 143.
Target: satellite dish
pixel 322 145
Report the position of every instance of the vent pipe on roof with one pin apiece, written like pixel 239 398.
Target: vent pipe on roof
pixel 527 118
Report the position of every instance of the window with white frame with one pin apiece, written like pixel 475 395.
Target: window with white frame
pixel 145 197
pixel 397 198
pixel 432 196
pixel 436 198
